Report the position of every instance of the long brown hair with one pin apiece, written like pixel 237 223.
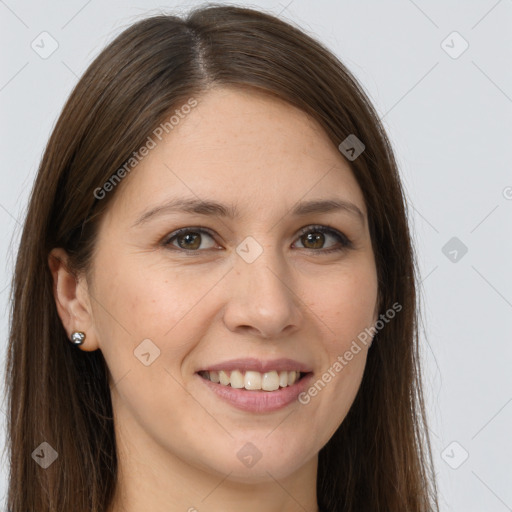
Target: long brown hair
pixel 379 459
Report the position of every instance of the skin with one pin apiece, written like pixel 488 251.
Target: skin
pixel 178 442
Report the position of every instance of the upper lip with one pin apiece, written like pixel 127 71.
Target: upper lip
pixel 258 365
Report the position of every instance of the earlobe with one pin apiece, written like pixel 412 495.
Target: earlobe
pixel 72 299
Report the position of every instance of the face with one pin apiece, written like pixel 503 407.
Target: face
pixel 267 285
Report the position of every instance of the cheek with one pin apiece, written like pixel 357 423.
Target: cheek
pixel 146 309
pixel 147 300
pixel 139 302
pixel 346 306
pixel 345 302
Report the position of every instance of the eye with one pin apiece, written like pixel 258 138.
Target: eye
pixel 313 237
pixel 188 239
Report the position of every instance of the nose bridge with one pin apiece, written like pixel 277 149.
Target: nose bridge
pixel 262 290
pixel 265 272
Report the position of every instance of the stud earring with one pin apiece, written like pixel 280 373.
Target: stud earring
pixel 77 337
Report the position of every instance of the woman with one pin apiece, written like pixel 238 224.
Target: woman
pixel 214 299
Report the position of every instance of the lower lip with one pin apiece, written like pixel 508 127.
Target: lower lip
pixel 259 401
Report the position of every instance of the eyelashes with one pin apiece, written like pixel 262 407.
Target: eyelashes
pixel 191 238
pixel 342 239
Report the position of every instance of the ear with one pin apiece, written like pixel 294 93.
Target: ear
pixel 72 299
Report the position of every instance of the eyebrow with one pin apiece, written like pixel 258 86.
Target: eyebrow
pixel 213 208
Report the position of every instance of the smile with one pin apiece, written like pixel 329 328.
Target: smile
pixel 252 380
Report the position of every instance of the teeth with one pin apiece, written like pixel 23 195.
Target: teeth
pixel 250 380
pixel 270 381
pixel 224 378
pixel 237 379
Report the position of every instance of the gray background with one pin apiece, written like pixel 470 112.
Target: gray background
pixel 448 115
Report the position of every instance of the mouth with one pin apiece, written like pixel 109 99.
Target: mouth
pixel 254 381
pixel 256 385
pixel 256 392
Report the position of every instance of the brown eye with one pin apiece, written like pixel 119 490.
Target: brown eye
pixel 313 240
pixel 314 237
pixel 189 239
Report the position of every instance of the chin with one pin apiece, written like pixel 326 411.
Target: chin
pixel 249 464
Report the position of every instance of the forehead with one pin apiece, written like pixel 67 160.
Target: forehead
pixel 244 146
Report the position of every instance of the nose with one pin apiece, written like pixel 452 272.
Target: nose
pixel 261 297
